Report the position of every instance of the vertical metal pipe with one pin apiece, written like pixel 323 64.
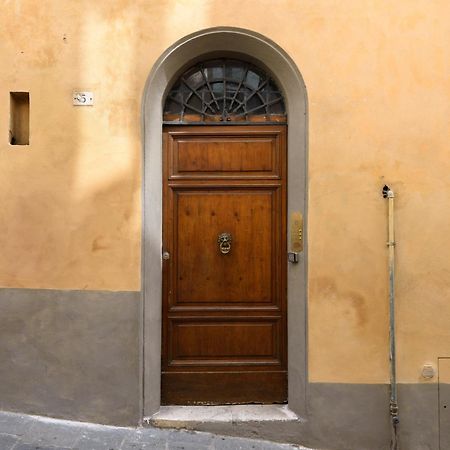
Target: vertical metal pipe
pixel 393 406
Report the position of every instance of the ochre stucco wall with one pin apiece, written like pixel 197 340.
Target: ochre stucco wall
pixel 376 73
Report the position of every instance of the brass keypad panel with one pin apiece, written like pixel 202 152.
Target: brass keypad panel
pixel 296 244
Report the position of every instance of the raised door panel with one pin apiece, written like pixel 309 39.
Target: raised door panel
pixel 249 154
pixel 219 342
pixel 222 388
pixel 245 275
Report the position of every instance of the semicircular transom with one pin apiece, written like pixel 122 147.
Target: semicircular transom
pixel 224 91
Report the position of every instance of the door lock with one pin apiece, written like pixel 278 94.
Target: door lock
pixel 293 257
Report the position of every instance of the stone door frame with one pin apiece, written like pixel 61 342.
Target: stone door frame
pixel 265 53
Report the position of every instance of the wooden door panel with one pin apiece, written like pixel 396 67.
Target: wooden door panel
pixel 244 275
pixel 244 154
pixel 224 314
pixel 194 388
pixel 223 155
pixel 224 342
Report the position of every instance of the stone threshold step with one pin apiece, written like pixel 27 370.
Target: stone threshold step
pixel 182 416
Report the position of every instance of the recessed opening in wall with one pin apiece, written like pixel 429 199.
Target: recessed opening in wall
pixel 19 125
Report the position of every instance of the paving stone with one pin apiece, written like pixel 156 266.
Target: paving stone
pixel 187 437
pixel 274 446
pixel 150 434
pixel 155 431
pixel 96 444
pixel 187 446
pixel 156 444
pixel 52 434
pixel 49 434
pixel 226 443
pixel 102 438
pixel 16 424
pixel 7 441
pixel 38 447
pixel 107 432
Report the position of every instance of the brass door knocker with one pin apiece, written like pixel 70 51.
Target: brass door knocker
pixel 224 241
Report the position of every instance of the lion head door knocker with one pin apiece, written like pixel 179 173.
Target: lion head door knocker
pixel 224 241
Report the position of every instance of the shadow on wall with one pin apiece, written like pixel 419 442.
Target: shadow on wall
pixel 71 211
pixel 71 215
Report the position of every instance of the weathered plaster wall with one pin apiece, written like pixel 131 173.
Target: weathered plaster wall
pixel 71 354
pixel 378 87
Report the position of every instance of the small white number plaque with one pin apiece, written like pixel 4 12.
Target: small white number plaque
pixel 83 98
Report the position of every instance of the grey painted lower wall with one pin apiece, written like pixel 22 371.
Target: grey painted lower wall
pixel 353 417
pixel 77 355
pixel 339 417
pixel 356 416
pixel 348 416
pixel 419 417
pixel 71 354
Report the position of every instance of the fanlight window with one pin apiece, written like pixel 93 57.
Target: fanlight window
pixel 224 91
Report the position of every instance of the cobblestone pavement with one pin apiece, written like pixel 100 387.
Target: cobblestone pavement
pixel 21 432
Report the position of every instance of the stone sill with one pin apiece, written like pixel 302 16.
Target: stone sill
pixel 184 416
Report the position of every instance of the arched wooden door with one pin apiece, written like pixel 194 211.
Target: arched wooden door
pixel 224 244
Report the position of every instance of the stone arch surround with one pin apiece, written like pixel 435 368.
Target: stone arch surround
pixel 262 51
